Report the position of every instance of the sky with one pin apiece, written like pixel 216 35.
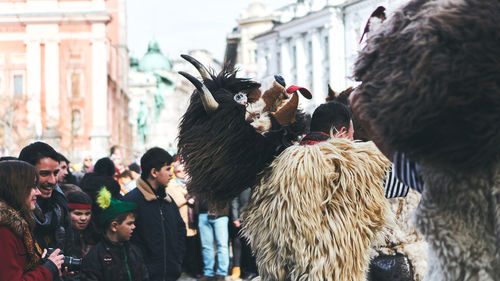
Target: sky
pixel 183 25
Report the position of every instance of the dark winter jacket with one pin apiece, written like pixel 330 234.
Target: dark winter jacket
pixel 160 231
pixel 110 261
pixel 78 244
pixel 52 220
pixel 212 209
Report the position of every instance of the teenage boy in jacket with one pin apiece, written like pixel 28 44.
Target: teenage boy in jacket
pixel 160 231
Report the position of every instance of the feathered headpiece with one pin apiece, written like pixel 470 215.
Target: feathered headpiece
pixel 112 207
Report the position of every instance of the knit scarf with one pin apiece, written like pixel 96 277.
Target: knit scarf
pixel 13 220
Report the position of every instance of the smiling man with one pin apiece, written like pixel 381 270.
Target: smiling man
pixel 51 212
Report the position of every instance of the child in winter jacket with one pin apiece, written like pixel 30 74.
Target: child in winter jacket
pixel 114 258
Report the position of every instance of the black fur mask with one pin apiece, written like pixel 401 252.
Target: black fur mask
pixel 222 149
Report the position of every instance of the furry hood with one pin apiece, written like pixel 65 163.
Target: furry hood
pixel 11 219
pixel 148 193
pixel 430 81
pixel 317 211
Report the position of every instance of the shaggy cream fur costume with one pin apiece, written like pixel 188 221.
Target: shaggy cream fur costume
pixel 403 237
pixel 317 211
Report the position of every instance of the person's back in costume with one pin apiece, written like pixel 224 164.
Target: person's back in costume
pixel 319 207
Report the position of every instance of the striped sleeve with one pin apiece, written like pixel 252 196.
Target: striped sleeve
pixel 407 171
pixel 393 186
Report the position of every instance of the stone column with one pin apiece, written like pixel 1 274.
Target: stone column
pixel 34 81
pixel 301 62
pixel 285 60
pixel 337 51
pixel 273 60
pixel 263 65
pixel 51 133
pixel 99 136
pixel 318 83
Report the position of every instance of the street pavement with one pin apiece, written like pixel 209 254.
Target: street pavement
pixel 185 277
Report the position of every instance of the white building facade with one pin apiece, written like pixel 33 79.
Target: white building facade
pixel 256 19
pixel 316 43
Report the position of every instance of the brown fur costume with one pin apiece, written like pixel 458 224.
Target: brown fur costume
pixel 317 211
pixel 430 88
pixel 430 81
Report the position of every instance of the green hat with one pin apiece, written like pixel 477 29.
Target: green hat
pixel 112 207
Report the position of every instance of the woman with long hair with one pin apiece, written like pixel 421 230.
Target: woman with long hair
pixel 21 258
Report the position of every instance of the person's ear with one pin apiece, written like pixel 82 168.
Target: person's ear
pixel 114 226
pixel 152 173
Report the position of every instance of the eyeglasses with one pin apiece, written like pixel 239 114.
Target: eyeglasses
pixel 87 159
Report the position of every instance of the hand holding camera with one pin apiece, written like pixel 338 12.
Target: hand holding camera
pixel 54 256
pixel 68 263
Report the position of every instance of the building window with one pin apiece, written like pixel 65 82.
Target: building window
pixel 18 84
pixel 76 122
pixel 76 85
pixel 327 48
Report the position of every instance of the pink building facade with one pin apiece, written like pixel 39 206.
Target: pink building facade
pixel 63 76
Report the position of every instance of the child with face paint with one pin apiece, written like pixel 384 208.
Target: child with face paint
pixel 80 237
pixel 80 205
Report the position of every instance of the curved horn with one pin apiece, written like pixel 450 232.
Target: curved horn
pixel 201 68
pixel 208 100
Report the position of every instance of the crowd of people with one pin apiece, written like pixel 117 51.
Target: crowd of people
pixel 108 221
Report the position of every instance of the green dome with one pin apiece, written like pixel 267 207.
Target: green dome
pixel 154 59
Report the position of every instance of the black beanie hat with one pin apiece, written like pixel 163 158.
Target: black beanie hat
pixel 134 167
pixel 104 166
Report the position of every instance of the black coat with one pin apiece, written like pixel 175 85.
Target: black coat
pixel 52 220
pixel 160 232
pixel 106 262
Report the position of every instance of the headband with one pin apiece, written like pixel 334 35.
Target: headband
pixel 79 206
